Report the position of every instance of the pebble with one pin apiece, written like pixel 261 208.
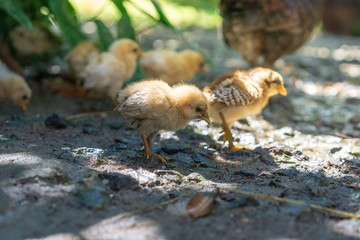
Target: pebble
pixel 55 121
pixel 118 181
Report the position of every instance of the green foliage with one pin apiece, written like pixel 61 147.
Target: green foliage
pixel 12 7
pixel 125 28
pixel 67 21
pixel 105 37
pixel 62 13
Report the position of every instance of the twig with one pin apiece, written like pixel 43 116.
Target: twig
pixel 89 114
pixel 344 136
pixel 298 202
pixel 149 209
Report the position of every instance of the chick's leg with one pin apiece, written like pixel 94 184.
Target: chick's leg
pixel 228 135
pixel 148 149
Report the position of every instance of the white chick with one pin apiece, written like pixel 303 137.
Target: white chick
pixel 107 73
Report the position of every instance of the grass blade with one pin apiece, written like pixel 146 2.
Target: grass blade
pixel 125 28
pixel 104 34
pixel 67 21
pixel 12 7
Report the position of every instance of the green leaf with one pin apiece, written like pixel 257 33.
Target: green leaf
pixel 12 7
pixel 64 16
pixel 105 37
pixel 162 17
pixel 125 28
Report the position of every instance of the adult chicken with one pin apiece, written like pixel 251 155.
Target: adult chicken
pixel 268 28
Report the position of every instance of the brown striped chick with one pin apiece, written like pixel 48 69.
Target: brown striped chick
pixel 79 57
pixel 152 105
pixel 237 95
pixel 107 73
pixel 14 87
pixel 172 67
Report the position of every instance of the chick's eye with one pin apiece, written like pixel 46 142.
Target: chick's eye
pixel 198 109
pixel 277 81
pixel 24 97
pixel 135 50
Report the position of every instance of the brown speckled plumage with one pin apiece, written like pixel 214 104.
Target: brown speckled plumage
pixel 239 94
pixel 268 28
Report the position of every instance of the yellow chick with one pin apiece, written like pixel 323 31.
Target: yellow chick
pixel 79 57
pixel 38 42
pixel 237 95
pixel 13 87
pixel 170 66
pixel 152 105
pixel 107 73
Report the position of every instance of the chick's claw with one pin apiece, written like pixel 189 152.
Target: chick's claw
pixel 162 159
pixel 237 148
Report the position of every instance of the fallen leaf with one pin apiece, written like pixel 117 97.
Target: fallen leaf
pixel 200 205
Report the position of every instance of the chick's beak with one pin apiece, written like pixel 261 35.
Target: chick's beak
pixel 140 53
pixel 282 90
pixel 205 118
pixel 203 69
pixel 23 106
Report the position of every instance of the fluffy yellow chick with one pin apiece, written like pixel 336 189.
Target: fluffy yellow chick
pixel 237 95
pixel 79 57
pixel 172 67
pixel 152 105
pixel 38 42
pixel 13 87
pixel 107 73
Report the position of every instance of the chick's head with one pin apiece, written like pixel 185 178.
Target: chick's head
pixel 191 102
pixel 273 80
pixel 21 93
pixel 125 48
pixel 196 60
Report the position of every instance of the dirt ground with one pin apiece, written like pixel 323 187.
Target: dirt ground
pixel 90 179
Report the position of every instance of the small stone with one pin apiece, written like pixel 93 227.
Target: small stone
pixel 175 148
pixel 194 177
pixel 89 130
pixel 93 198
pixel 55 121
pixel 292 172
pixel 119 182
pixel 276 183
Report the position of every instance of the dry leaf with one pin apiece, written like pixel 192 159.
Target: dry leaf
pixel 200 205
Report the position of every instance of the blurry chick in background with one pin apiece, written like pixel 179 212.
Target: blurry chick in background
pixel 268 28
pixel 107 73
pixel 172 67
pixel 39 42
pixel 237 95
pixel 152 105
pixel 14 87
pixel 79 57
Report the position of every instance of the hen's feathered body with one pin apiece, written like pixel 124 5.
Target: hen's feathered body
pixel 268 28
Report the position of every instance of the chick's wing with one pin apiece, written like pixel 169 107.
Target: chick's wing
pixel 145 103
pixel 235 89
pixel 103 71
